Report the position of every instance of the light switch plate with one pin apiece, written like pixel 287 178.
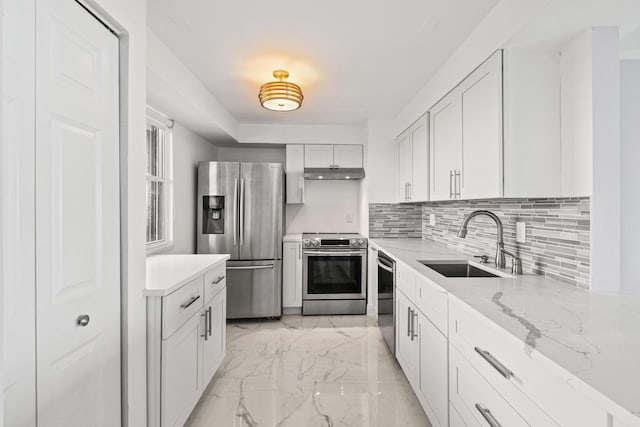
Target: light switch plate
pixel 432 219
pixel 521 232
pixel 349 218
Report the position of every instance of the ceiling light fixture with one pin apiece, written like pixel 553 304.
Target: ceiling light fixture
pixel 280 95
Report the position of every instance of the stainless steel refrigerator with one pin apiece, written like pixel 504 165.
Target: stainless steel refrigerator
pixel 240 212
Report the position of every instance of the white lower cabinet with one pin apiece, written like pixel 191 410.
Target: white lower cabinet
pixel 433 377
pixel 292 274
pixel 181 364
pixel 421 350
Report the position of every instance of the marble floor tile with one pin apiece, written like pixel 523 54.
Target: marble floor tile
pixel 308 371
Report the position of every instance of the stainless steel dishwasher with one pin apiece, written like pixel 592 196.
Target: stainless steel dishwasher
pixel 386 299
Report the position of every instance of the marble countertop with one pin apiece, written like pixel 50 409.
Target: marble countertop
pixel 167 273
pixel 292 238
pixel 593 336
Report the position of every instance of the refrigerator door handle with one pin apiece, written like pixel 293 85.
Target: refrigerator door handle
pixel 252 267
pixel 241 211
pixel 235 217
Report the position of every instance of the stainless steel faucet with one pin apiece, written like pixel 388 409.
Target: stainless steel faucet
pixel 500 252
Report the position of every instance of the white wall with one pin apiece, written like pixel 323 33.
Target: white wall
pixel 327 204
pixel 630 176
pixel 188 149
pixel 501 24
pixel 252 154
pixel 576 96
pixel 381 161
pixel 302 134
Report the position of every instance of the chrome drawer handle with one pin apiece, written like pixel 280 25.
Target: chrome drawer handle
pixel 413 325
pixel 503 370
pixel 409 322
pixel 488 416
pixel 218 280
pixel 191 301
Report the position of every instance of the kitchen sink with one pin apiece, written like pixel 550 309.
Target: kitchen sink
pixel 457 269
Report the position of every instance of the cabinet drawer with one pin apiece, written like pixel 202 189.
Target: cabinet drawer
pixel 181 305
pixel 406 280
pixel 533 385
pixel 214 280
pixel 433 302
pixel 477 402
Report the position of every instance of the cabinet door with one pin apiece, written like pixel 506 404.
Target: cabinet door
pixel 295 174
pixel 420 160
pixel 347 156
pixel 181 373
pixel 318 156
pixel 214 346
pixel 445 142
pixel 404 165
pixel 292 274
pixel 407 348
pixel 481 98
pixel 433 371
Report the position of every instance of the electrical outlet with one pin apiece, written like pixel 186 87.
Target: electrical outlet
pixel 432 219
pixel 349 218
pixel 521 232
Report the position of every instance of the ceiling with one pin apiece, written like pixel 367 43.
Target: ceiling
pixel 354 59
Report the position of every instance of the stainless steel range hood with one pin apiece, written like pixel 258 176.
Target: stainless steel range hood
pixel 333 173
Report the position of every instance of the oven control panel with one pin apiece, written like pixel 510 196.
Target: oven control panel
pixel 336 242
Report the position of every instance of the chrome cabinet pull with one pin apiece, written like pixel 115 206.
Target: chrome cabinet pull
pixel 210 321
pixel 488 416
pixel 83 320
pixel 458 184
pixel 451 184
pixel 409 321
pixel 191 301
pixel 205 335
pixel 218 280
pixel 413 325
pixel 503 370
pixel 410 190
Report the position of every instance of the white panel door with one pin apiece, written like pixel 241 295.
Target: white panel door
pixel 403 143
pixel 295 174
pixel 214 344
pixel 481 96
pixel 446 140
pixel 318 156
pixel 420 159
pixel 17 276
pixel 292 274
pixel 347 156
pixel 77 218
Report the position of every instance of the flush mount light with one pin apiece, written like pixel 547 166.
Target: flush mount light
pixel 280 95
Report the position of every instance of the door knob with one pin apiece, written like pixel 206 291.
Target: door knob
pixel 82 320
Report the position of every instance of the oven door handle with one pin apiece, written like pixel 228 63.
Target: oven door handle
pixel 385 267
pixel 336 253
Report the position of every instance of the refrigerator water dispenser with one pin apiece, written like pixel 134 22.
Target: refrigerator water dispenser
pixel 213 215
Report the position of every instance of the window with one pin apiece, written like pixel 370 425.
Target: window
pixel 159 187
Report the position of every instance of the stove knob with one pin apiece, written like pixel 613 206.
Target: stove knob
pixel 354 242
pixel 361 243
pixel 316 243
pixel 307 243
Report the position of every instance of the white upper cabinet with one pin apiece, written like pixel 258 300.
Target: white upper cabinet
pixel 413 162
pixel 318 156
pixel 403 143
pixel 446 146
pixel 481 108
pixel 332 156
pixel 295 174
pixel 347 156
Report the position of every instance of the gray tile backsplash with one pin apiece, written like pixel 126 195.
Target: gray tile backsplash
pixel 557 237
pixel 395 220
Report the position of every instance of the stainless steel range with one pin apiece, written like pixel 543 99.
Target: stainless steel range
pixel 334 274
